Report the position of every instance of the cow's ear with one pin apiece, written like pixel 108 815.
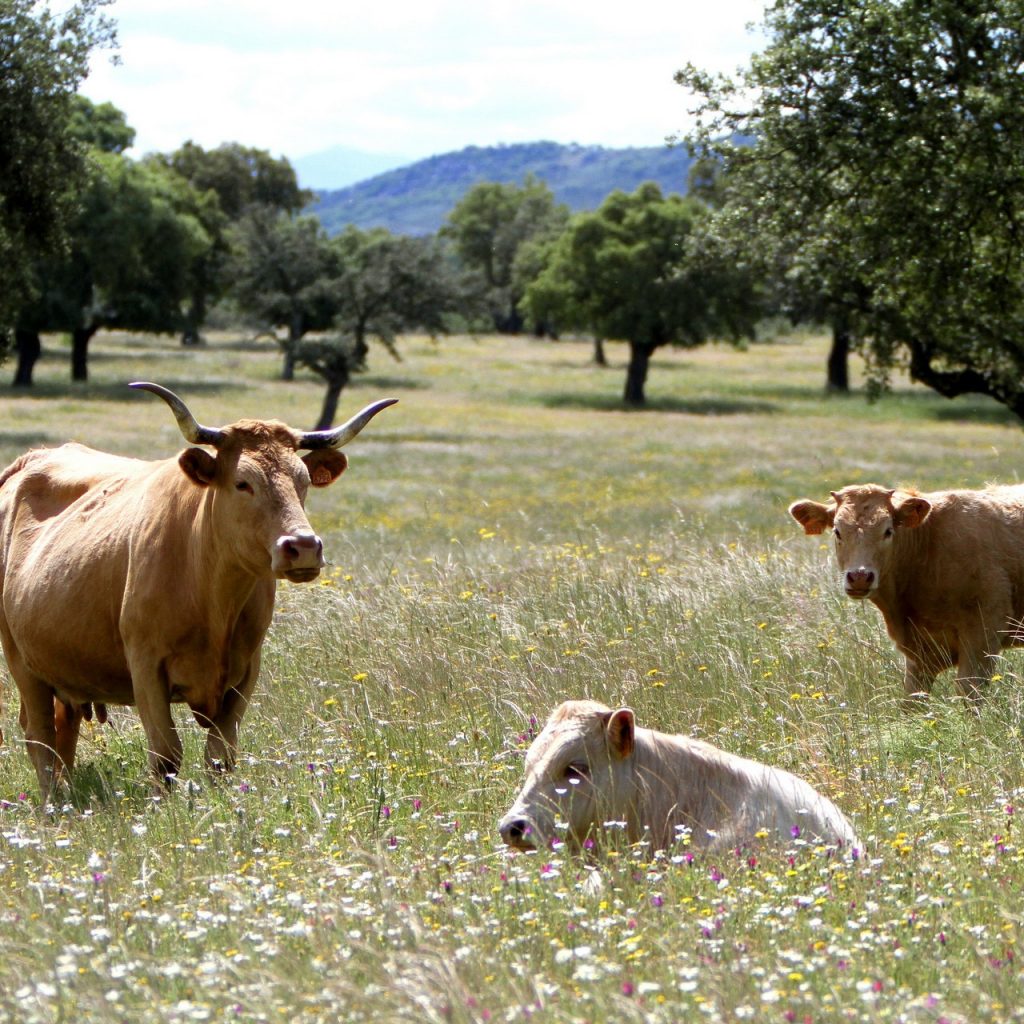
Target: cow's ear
pixel 198 465
pixel 813 516
pixel 325 465
pixel 621 731
pixel 912 511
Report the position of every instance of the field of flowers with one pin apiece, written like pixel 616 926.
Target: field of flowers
pixel 506 538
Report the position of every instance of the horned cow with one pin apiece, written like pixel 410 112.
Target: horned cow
pixel 591 764
pixel 945 569
pixel 142 583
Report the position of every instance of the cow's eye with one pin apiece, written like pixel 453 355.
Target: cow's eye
pixel 888 532
pixel 577 771
pixel 835 530
pixel 245 488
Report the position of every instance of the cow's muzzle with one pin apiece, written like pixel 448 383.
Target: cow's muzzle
pixel 859 582
pixel 517 832
pixel 298 556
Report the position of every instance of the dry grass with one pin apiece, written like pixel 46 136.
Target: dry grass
pixel 505 538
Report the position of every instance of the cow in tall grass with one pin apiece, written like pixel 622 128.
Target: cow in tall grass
pixel 945 569
pixel 151 583
pixel 591 765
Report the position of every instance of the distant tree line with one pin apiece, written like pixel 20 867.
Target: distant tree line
pixel 879 188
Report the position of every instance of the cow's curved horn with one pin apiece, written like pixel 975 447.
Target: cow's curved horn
pixel 342 435
pixel 193 431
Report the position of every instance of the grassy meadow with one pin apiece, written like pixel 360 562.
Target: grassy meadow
pixel 507 537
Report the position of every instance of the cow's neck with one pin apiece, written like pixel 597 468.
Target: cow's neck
pixel 662 794
pixel 685 781
pixel 222 584
pixel 895 595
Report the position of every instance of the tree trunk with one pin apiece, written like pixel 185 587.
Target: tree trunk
pixel 194 318
pixel 952 383
pixel 288 365
pixel 29 348
pixel 360 346
pixel 295 332
pixel 330 406
pixel 839 359
pixel 636 373
pixel 599 356
pixel 80 338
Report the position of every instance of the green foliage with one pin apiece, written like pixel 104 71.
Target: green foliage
pixel 241 177
pixel 44 57
pixel 629 272
pixel 376 285
pixel 100 126
pixel 416 200
pixel 884 187
pixel 136 234
pixel 488 227
pixel 386 284
pixel 233 179
pixel 280 268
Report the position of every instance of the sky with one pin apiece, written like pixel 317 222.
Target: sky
pixel 412 78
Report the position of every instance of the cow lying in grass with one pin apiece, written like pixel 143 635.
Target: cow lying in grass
pixel 591 765
pixel 945 569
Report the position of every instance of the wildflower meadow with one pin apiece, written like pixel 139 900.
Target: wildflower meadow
pixel 506 537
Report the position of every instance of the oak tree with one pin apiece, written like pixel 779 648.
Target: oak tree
pixel 886 181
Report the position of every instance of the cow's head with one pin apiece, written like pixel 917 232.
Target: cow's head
pixel 258 483
pixel 578 772
pixel 865 520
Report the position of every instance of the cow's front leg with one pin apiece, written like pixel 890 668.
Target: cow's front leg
pixel 164 741
pixel 222 739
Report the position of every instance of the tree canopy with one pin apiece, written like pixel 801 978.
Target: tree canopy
pixel 489 225
pixel 238 179
pixel 131 245
pixel 280 271
pixel 628 271
pixel 885 183
pixel 44 57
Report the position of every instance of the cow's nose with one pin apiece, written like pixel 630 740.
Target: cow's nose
pixel 298 556
pixel 860 579
pixel 301 548
pixel 514 831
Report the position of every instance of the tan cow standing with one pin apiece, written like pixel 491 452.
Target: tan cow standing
pixel 945 569
pixel 592 765
pixel 153 583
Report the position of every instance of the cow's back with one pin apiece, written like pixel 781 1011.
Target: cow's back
pixel 967 556
pixel 60 511
pixel 42 483
pixel 728 798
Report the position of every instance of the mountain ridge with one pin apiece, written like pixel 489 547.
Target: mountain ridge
pixel 416 199
pixel 341 166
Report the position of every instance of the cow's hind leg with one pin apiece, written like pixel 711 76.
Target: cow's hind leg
pixel 978 657
pixel 974 671
pixel 39 726
pixel 918 678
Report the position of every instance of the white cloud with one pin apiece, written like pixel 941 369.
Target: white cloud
pixel 412 76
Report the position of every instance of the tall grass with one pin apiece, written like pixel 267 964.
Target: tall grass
pixel 507 537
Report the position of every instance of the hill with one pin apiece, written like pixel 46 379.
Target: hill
pixel 342 166
pixel 415 200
